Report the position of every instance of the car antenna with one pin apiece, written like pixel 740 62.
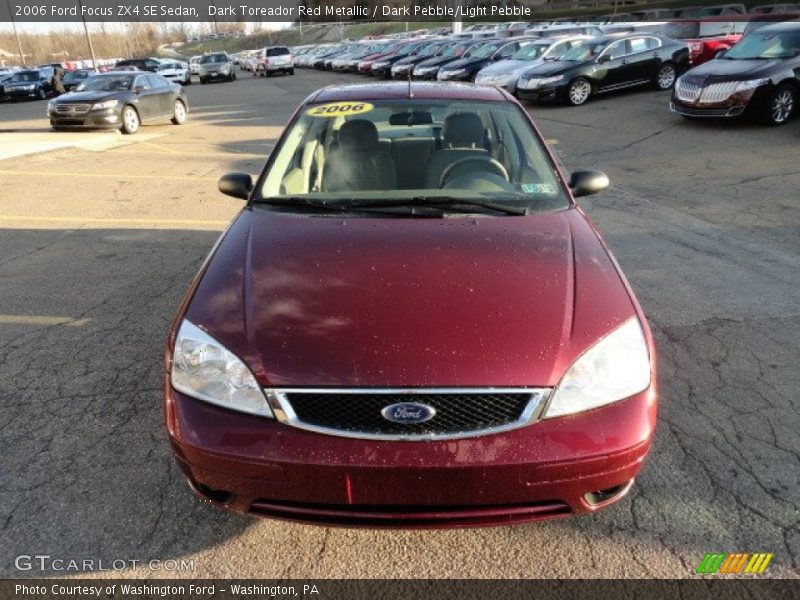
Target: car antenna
pixel 410 93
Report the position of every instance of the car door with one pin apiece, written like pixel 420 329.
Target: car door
pixel 162 89
pixel 613 69
pixel 644 58
pixel 147 98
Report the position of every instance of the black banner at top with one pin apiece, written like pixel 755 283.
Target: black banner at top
pixel 263 10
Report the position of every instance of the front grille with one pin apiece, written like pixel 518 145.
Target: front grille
pixel 358 413
pixel 718 92
pixel 72 109
pixel 687 92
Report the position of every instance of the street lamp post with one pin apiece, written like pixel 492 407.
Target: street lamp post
pixel 16 33
pixel 88 37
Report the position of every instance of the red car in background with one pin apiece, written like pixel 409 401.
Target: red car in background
pixel 705 38
pixel 365 65
pixel 398 333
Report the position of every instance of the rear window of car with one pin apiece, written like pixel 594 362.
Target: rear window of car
pixel 277 51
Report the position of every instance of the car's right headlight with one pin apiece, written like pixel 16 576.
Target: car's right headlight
pixel 614 368
pixel 204 369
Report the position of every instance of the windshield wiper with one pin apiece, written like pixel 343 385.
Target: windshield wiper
pixel 348 206
pixel 450 202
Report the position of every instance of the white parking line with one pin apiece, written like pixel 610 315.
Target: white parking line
pixel 21 143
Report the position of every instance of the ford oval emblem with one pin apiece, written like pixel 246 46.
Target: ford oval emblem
pixel 408 413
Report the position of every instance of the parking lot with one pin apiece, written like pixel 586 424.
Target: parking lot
pixel 102 234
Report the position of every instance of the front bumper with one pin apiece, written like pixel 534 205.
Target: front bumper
pixel 19 93
pixel 430 76
pixel 542 94
pixel 545 470
pixel 108 118
pixel 722 110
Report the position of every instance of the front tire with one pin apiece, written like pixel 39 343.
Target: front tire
pixel 666 76
pixel 179 113
pixel 579 91
pixel 779 107
pixel 130 120
pixel 291 71
pixel 203 81
pixel 41 94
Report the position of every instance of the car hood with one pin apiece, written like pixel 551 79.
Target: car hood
pixel 436 61
pixel 733 70
pixel 552 67
pixel 464 62
pixel 466 301
pixel 88 96
pixel 506 67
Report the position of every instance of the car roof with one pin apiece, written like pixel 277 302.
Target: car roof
pixel 399 90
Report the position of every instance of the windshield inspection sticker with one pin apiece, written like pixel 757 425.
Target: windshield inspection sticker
pixel 539 188
pixel 339 109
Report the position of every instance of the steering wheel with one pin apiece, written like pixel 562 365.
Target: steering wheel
pixel 496 166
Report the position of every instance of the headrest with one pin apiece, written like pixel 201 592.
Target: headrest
pixel 359 134
pixel 463 130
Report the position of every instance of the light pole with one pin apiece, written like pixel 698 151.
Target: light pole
pixel 88 37
pixel 16 33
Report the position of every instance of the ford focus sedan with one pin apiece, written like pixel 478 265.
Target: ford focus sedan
pixel 410 323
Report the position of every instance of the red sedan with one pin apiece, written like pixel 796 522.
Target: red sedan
pixel 410 324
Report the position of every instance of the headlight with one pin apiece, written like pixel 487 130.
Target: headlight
pixel 615 368
pixel 29 87
pixel 104 105
pixel 750 84
pixel 204 369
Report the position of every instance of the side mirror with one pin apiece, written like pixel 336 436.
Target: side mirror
pixel 238 185
pixel 604 58
pixel 585 183
pixel 720 54
pixel 139 88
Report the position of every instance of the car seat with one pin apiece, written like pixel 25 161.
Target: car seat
pixel 359 163
pixel 462 137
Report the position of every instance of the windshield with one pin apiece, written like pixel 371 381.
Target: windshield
pixel 107 83
pixel 429 50
pixel 482 51
pixel 70 75
pixel 530 52
pixel 394 150
pixel 766 45
pixel 26 76
pixel 587 52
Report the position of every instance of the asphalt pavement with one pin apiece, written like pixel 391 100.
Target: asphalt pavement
pixel 100 236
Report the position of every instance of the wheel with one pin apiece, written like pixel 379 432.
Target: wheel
pixel 130 120
pixel 666 76
pixel 291 71
pixel 203 81
pixel 233 76
pixel 267 73
pixel 57 128
pixel 41 93
pixel 579 91
pixel 188 80
pixel 779 107
pixel 179 113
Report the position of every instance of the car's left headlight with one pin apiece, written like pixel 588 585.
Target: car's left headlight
pixel 614 368
pixel 204 369
pixel 104 105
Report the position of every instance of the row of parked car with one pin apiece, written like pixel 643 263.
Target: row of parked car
pixel 574 62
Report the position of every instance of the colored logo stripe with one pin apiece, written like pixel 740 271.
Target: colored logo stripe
pixel 734 563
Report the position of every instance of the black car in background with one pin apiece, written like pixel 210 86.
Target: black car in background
pixel 29 84
pixel 119 100
pixel 759 77
pixel 476 58
pixel 141 64
pixel 605 64
pixel 383 66
pixel 401 68
pixel 73 79
pixel 429 68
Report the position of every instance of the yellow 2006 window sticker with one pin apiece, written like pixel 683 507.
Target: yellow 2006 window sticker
pixel 339 109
